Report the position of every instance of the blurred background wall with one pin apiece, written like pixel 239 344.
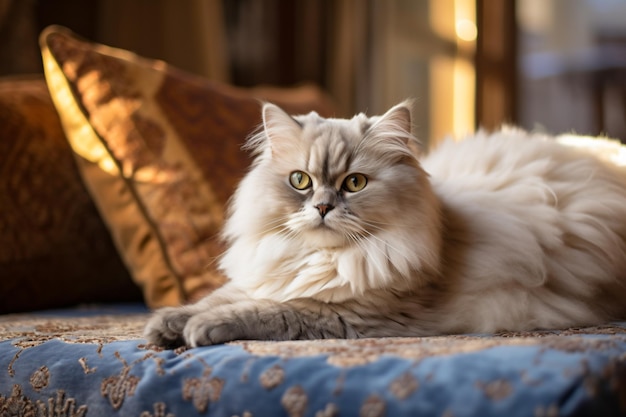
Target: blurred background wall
pixel 572 65
pixel 553 65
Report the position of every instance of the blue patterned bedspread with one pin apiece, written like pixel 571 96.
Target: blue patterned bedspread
pixel 94 362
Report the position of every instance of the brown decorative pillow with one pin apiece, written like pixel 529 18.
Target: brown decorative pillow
pixel 55 251
pixel 159 150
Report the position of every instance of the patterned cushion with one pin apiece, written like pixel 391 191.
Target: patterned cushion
pixel 54 248
pixel 159 150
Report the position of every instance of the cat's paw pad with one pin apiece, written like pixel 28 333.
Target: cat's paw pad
pixel 165 327
pixel 207 329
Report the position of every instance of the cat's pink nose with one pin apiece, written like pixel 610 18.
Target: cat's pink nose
pixel 324 208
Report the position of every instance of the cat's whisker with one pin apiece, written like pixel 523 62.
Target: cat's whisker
pixel 289 234
pixel 273 225
pixel 212 261
pixel 357 240
pixel 389 246
pixel 375 261
pixel 359 234
pixel 375 223
pixel 286 234
pixel 277 230
pixel 368 234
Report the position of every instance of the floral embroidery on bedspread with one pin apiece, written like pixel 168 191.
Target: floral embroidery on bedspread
pixel 19 405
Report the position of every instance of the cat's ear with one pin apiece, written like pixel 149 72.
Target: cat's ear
pixel 280 128
pixel 397 119
pixel 395 125
pixel 390 134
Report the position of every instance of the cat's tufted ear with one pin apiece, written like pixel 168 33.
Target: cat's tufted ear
pixel 280 128
pixel 396 119
pixel 395 124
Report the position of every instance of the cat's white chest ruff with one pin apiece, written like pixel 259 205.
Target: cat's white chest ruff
pixel 318 278
pixel 319 274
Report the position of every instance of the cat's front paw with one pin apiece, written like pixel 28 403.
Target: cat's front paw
pixel 165 327
pixel 207 329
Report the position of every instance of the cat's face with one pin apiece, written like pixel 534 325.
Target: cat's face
pixel 333 182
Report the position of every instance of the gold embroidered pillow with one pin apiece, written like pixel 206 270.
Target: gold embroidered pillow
pixel 159 151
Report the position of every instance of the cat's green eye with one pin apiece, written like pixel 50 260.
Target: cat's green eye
pixel 354 182
pixel 300 180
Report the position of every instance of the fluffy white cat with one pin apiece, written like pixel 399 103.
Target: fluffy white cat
pixel 342 229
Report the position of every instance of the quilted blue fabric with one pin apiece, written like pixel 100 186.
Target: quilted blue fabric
pixel 98 365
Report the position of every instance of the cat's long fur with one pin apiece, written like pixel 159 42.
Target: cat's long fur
pixel 503 231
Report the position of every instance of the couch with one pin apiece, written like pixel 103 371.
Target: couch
pixel 114 173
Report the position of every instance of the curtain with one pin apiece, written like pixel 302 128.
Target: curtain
pixel 188 34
